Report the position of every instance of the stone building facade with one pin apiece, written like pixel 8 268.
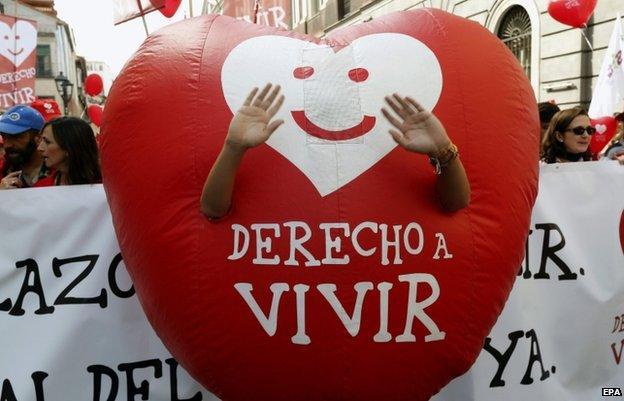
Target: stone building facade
pixel 558 59
pixel 55 50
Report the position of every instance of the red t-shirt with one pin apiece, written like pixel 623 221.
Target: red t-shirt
pixel 48 181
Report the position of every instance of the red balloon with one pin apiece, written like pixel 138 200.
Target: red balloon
pixel 606 128
pixel 95 113
pixel 254 314
pixel 94 84
pixel 170 7
pixel 575 13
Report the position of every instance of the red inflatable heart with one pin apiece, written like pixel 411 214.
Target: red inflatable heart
pixel 335 276
pixel 606 128
pixel 575 13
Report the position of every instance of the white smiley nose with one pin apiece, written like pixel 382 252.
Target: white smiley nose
pixel 331 99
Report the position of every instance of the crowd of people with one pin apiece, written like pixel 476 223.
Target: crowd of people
pixel 41 148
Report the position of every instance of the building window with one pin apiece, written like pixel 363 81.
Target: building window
pixel 344 8
pixel 44 61
pixel 515 32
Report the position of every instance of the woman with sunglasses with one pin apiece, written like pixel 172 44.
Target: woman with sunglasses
pixel 567 137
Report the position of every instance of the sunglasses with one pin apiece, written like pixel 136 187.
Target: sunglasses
pixel 581 130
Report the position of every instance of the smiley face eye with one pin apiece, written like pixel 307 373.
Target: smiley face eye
pixel 6 37
pixel 358 74
pixel 17 37
pixel 303 72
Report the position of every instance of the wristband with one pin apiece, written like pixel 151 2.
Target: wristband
pixel 444 158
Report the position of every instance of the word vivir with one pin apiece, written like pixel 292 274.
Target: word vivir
pixel 23 95
pixel 410 239
pixel 351 322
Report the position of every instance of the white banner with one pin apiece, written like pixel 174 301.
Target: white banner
pixel 71 328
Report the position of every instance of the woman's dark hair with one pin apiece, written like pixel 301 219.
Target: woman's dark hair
pixel 551 147
pixel 76 137
pixel 546 111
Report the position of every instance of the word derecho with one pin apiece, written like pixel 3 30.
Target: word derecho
pixel 408 240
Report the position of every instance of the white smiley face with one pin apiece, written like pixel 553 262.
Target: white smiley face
pixel 17 42
pixel 333 129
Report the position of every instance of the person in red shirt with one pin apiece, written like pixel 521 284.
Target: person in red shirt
pixel 68 147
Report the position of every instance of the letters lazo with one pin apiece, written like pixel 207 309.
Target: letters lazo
pixel 335 275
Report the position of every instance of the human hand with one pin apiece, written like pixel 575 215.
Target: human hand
pixel 619 157
pixel 11 181
pixel 417 130
pixel 252 125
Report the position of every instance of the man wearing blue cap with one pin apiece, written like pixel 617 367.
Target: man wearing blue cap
pixel 20 128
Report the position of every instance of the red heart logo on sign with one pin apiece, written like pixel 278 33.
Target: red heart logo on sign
pixel 336 275
pixel 606 128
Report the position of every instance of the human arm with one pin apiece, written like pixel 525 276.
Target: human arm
pixel 619 156
pixel 250 127
pixel 418 130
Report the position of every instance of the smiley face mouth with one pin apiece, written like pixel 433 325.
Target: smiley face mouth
pixel 367 124
pixel 17 52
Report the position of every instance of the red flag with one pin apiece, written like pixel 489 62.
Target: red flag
pixel 17 61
